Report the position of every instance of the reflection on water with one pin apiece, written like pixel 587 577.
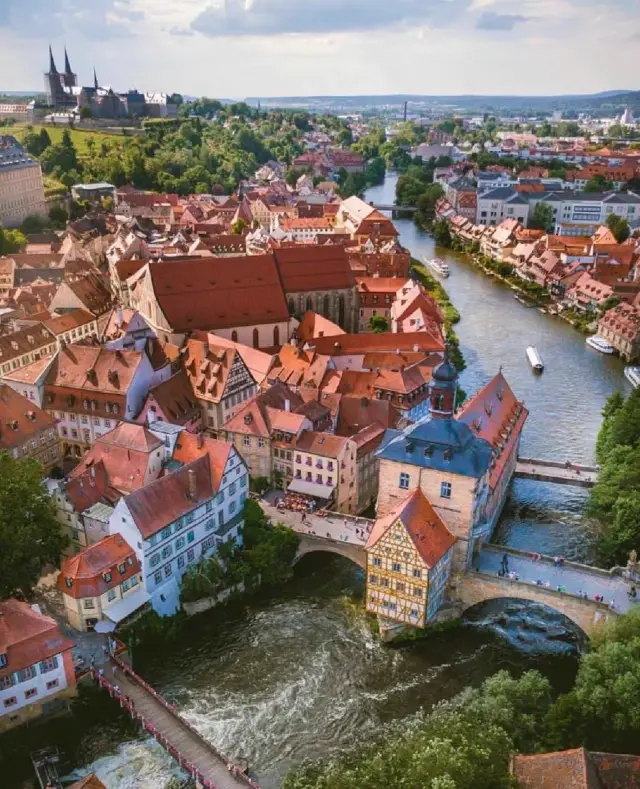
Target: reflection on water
pixel 300 675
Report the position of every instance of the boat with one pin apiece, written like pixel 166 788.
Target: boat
pixel 519 298
pixel 632 374
pixel 534 358
pixel 599 344
pixel 439 266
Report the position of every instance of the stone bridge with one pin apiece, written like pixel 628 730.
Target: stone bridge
pixel 566 587
pixel 350 550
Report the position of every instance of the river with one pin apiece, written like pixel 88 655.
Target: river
pixel 299 675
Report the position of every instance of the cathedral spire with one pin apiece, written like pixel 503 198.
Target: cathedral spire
pixel 67 65
pixel 95 79
pixel 52 64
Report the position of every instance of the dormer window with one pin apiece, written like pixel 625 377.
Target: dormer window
pixel 3 659
pixel 107 577
pixel 122 568
pixel 68 582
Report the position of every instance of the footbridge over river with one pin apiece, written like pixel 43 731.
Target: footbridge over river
pixel 567 473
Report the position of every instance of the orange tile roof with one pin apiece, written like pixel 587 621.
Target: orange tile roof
pixel 426 528
pixel 83 575
pixel 381 284
pixel 356 412
pixel 569 769
pixel 324 444
pixel 255 417
pixel 93 370
pixel 20 419
pixel 91 292
pixel 347 344
pixel 27 637
pixel 308 269
pixel 175 399
pixel 29 340
pixel 30 373
pixel 315 325
pixel 207 367
pixel 216 293
pixel 69 320
pixel 297 367
pixel 190 447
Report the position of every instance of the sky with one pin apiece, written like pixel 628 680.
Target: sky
pixel 240 48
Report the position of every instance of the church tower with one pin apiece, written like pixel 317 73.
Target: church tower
pixel 53 82
pixel 69 79
pixel 442 389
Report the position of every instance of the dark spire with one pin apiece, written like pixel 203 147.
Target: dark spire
pixel 67 65
pixel 95 79
pixel 52 64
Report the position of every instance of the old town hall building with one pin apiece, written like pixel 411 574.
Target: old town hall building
pixel 461 460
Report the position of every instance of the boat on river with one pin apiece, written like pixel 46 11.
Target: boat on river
pixel 439 266
pixel 632 374
pixel 599 344
pixel 534 359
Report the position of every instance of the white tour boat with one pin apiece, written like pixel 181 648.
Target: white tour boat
pixel 534 358
pixel 632 374
pixel 599 344
pixel 439 266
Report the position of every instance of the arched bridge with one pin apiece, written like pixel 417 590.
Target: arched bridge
pixel 350 550
pixel 410 209
pixel 568 588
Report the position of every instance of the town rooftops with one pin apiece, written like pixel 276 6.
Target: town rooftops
pixel 304 269
pixel 324 444
pixel 315 325
pixel 175 399
pixel 255 417
pixel 93 370
pixel 577 769
pixel 216 293
pixel 422 523
pixel 27 636
pixel 19 343
pixel 68 321
pixel 347 344
pixel 98 568
pixel 20 419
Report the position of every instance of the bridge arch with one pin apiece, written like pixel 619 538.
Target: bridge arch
pixel 309 544
pixel 474 588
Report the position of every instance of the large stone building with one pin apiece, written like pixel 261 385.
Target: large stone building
pixel 26 431
pixel 21 184
pixel 462 461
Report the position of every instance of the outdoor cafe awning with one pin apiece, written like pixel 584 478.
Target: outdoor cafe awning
pixel 311 488
pixel 121 610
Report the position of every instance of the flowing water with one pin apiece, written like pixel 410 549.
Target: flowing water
pixel 299 675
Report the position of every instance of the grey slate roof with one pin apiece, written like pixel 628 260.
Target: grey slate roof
pixel 425 443
pixel 499 193
pixel 13 156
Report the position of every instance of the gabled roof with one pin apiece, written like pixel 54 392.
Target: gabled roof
pixel 69 320
pixel 315 325
pixel 20 419
pixel 218 293
pixel 307 269
pixel 569 769
pixel 255 417
pixel 94 369
pixel 347 344
pixel 175 398
pixel 422 523
pixel 85 572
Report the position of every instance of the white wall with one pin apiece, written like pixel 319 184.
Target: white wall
pixel 39 682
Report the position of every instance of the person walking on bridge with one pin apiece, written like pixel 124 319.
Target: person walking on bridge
pixel 505 564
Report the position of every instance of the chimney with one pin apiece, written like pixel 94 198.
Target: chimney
pixel 287 405
pixel 191 476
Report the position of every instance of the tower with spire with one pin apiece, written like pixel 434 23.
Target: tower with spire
pixel 58 84
pixel 69 79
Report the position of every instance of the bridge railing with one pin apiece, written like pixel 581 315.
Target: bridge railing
pixel 128 671
pixel 558 464
pixel 544 559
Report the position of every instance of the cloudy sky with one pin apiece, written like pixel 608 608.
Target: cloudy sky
pixel 238 48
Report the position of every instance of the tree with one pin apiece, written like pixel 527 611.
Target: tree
pixel 542 217
pixel 441 233
pixel 59 215
pixel 619 227
pixel 11 241
pixel 85 113
pixel 30 536
pixel 598 184
pixel 353 184
pixel 378 324
pixel 238 226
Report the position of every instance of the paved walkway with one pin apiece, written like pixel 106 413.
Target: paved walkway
pixel 549 471
pixel 194 748
pixel 577 581
pixel 337 527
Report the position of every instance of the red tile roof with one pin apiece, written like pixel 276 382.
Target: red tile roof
pixel 347 344
pixel 190 447
pixel 308 269
pixel 426 528
pixel 356 412
pixel 27 637
pixel 20 419
pixel 569 769
pixel 90 782
pixel 92 370
pixel 70 320
pixel 255 418
pixel 175 399
pixel 324 444
pixel 216 293
pixel 315 325
pixel 83 575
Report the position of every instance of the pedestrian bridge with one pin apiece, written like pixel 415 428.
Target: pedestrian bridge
pixel 310 543
pixel 541 580
pixel 568 473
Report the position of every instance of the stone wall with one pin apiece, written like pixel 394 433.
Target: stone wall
pixel 309 544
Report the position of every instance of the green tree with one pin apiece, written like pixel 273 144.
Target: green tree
pixel 441 233
pixel 85 113
pixel 598 184
pixel 238 226
pixel 30 536
pixel 542 217
pixel 11 241
pixel 619 227
pixel 353 184
pixel 59 215
pixel 378 324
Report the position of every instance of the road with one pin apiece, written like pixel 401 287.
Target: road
pixel 577 581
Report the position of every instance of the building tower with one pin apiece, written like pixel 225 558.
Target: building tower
pixel 52 82
pixel 69 79
pixel 95 79
pixel 442 389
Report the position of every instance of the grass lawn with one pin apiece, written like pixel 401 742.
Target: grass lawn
pixel 78 136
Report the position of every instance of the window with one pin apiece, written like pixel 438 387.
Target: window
pixel 180 561
pixel 373 579
pixel 165 533
pixel 208 506
pixel 417 591
pixel 232 506
pixel 53 683
pixel 167 570
pixel 400 587
pixel 122 569
pixel 166 551
pixel 209 524
pixel 125 586
pixel 190 536
pixel 26 673
pixel 111 594
pixel 180 543
pixel 158 577
pixel 445 490
pixel 417 572
pixel 220 497
pixel 261 442
pixel 88 603
pixel 384 581
pixel 155 560
pixel 232 489
pixel 7 682
pixel 397 568
pixel 243 482
pixel 377 561
pixel 404 481
pixel 134 581
pixel 10 702
pixel 107 577
pixel 29 694
pixel 191 555
pixel 189 518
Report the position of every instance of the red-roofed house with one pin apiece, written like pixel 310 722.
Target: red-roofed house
pixel 620 326
pixel 36 665
pixel 26 431
pixel 101 582
pixel 172 401
pixel 587 294
pixel 408 564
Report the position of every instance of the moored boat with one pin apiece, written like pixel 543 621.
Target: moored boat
pixel 632 374
pixel 534 358
pixel 599 344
